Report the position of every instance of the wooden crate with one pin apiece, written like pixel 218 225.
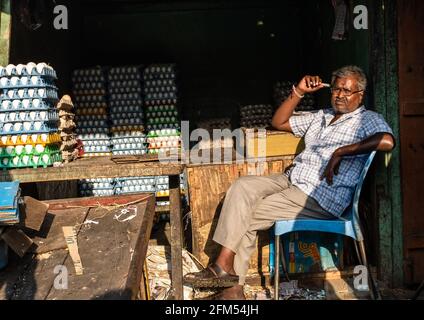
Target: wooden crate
pixel 207 187
pixel 272 143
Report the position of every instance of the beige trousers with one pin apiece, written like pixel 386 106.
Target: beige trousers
pixel 254 203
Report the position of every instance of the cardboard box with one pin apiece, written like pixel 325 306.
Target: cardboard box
pixel 271 143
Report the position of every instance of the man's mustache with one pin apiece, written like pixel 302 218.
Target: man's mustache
pixel 343 100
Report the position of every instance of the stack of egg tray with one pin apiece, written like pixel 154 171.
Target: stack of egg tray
pixel 28 120
pixel 256 116
pixel 160 95
pixel 91 109
pixel 96 187
pixel 163 140
pixel 126 111
pixel 282 91
pixel 127 185
pixel 162 189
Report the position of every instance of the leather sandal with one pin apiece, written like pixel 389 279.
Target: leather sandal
pixel 211 277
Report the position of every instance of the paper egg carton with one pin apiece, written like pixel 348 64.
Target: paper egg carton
pixel 27 150
pixel 31 161
pixel 34 139
pixel 29 69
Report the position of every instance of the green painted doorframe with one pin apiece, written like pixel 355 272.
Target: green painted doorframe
pixel 5 23
pixel 387 180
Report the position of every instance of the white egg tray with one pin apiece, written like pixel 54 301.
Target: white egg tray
pixel 29 93
pixel 47 116
pixel 125 96
pixel 93 143
pixel 160 96
pixel 126 105
pixel 27 127
pixel 160 102
pixel 26 82
pixel 138 152
pixel 88 130
pixel 30 69
pixel 25 104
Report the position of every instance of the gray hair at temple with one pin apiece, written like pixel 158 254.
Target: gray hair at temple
pixel 348 71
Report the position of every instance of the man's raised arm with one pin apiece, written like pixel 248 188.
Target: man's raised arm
pixel 308 84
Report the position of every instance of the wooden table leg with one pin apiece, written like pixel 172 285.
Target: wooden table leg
pixel 176 237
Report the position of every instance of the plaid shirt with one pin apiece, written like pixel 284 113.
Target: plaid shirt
pixel 321 140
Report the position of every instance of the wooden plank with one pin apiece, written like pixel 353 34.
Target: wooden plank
pixel 50 237
pixel 112 253
pixel 176 237
pixel 86 168
pixel 387 178
pixel 394 162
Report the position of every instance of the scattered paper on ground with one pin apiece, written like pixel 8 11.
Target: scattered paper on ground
pixel 159 271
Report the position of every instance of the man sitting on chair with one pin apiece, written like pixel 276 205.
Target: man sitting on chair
pixel 319 185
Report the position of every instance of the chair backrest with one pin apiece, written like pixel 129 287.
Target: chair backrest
pixel 354 211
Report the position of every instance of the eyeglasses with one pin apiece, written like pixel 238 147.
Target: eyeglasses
pixel 346 92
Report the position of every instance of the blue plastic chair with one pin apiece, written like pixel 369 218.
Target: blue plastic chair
pixel 348 225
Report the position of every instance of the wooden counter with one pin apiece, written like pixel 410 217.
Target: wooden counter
pixel 112 252
pixel 104 167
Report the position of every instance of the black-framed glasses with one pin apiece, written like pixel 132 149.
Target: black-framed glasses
pixel 346 92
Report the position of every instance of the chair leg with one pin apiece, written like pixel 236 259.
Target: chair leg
pixel 358 254
pixel 283 262
pixel 375 294
pixel 276 267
